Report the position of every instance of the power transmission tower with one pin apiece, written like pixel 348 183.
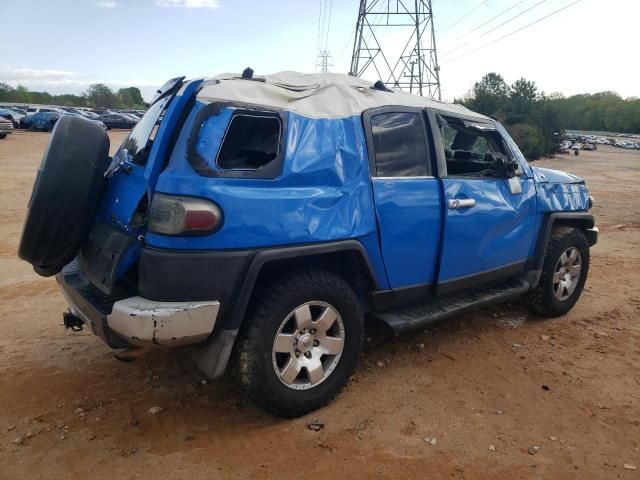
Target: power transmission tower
pixel 378 53
pixel 323 61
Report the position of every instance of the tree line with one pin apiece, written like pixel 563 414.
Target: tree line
pixel 96 96
pixel 537 121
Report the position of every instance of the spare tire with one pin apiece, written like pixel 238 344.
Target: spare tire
pixel 65 194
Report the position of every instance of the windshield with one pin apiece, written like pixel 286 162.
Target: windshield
pixel 137 145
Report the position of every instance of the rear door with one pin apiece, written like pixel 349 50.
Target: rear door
pixel 489 219
pixel 407 197
pixel 120 225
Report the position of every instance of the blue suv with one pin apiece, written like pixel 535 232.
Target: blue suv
pixel 261 220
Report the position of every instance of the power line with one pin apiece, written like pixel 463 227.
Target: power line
pixel 515 31
pixel 480 26
pixel 513 18
pixel 463 17
pixel 499 26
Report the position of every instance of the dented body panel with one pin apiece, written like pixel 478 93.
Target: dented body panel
pixel 143 322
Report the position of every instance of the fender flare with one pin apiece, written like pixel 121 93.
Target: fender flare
pixel 236 314
pixel 581 220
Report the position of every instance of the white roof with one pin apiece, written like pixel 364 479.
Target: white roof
pixel 317 95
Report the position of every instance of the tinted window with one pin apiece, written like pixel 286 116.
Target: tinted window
pixel 399 145
pixel 251 142
pixel 138 144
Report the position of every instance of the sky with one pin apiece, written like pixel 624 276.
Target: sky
pixel 63 46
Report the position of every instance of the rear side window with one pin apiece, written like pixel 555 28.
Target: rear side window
pixel 399 145
pixel 250 143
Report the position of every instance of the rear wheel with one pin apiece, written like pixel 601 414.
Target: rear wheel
pixel 564 273
pixel 301 341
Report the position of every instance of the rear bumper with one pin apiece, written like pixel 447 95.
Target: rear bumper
pixel 141 321
pixel 122 320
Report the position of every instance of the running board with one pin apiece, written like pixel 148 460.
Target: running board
pixel 416 316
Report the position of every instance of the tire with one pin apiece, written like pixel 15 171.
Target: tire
pixel 263 374
pixel 553 296
pixel 3 135
pixel 65 194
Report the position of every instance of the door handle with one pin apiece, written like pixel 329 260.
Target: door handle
pixel 454 203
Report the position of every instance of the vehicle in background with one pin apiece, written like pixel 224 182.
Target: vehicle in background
pixel 41 121
pixel 577 146
pixel 131 116
pixel 32 110
pixel 133 113
pixel 117 120
pixel 564 147
pixel 6 127
pixel 589 147
pixel 12 115
pixel 80 115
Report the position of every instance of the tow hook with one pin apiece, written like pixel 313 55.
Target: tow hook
pixel 72 322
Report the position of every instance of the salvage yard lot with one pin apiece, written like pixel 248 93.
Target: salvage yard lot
pixel 496 394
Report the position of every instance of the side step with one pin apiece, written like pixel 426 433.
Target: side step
pixel 416 316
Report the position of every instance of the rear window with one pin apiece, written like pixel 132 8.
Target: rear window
pixel 250 143
pixel 399 145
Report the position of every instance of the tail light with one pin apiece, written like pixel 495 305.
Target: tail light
pixel 175 215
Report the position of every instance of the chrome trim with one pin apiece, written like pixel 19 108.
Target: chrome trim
pixel 145 322
pixel 455 203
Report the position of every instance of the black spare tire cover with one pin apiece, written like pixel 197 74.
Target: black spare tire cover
pixel 65 194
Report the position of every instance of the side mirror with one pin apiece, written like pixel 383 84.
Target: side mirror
pixel 505 166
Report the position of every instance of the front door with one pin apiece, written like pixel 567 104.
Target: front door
pixel 407 197
pixel 489 219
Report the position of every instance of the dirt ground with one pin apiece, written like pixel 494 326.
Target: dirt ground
pixel 505 395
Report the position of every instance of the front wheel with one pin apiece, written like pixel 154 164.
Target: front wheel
pixel 300 342
pixel 564 273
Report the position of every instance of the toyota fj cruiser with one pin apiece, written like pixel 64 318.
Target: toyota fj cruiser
pixel 264 218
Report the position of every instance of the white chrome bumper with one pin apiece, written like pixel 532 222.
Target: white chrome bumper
pixel 141 321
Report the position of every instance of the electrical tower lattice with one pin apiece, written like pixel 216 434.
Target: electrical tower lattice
pixel 380 23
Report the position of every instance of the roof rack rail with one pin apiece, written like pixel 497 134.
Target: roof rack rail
pixel 381 86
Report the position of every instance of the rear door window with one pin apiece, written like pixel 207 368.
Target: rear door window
pixel 251 142
pixel 399 144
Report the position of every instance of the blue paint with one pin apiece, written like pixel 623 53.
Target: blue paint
pixel 560 191
pixel 497 231
pixel 409 217
pixel 325 193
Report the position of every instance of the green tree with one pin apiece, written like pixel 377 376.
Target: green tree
pixel 100 96
pixel 524 97
pixel 489 95
pixel 130 97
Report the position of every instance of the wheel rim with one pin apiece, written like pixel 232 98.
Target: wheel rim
pixel 567 273
pixel 308 345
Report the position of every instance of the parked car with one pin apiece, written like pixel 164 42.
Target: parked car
pixel 89 119
pixel 41 121
pixel 117 120
pixel 263 221
pixel 33 110
pixel 12 115
pixel 589 147
pixel 6 127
